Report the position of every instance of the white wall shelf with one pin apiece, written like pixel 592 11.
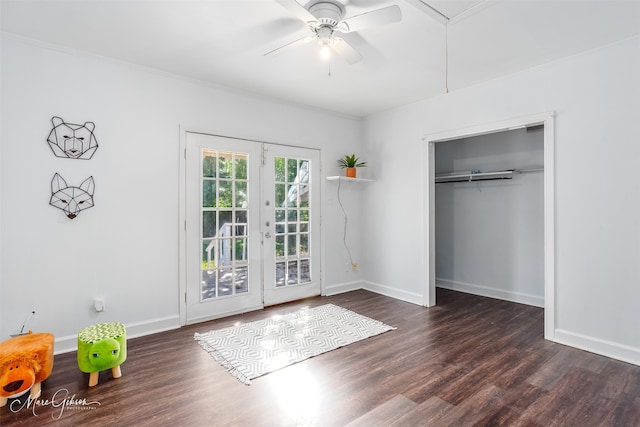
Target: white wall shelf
pixel 347 179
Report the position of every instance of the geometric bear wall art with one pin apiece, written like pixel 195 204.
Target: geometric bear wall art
pixel 71 199
pixel 72 141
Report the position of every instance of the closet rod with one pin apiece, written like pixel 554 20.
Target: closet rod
pixel 475 180
pixel 530 170
pixel 474 176
pixel 471 175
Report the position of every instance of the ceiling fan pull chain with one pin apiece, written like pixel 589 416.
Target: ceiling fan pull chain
pixel 446 56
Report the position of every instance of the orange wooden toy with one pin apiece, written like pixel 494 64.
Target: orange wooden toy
pixel 25 361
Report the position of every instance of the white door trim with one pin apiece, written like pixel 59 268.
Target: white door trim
pixel 547 119
pixel 182 227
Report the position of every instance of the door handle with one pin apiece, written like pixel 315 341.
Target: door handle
pixel 267 235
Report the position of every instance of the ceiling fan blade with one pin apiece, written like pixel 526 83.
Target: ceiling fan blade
pixel 297 10
pixel 345 50
pixel 294 43
pixel 385 15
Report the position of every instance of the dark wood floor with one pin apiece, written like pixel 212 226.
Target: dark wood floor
pixel 468 361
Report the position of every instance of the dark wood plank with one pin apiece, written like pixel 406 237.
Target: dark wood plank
pixel 469 361
pixel 385 414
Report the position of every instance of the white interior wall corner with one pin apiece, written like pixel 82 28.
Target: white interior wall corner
pixel 596 97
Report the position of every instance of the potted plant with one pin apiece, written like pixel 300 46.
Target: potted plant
pixel 350 163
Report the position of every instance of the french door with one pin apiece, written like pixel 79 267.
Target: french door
pixel 252 227
pixel 291 208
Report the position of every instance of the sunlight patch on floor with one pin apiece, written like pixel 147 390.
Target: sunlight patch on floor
pixel 297 394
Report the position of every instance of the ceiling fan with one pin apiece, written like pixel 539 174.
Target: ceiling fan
pixel 325 18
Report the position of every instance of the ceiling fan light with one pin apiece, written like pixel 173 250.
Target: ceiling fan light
pixel 325 52
pixel 324 40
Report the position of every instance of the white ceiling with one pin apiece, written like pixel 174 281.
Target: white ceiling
pixel 224 41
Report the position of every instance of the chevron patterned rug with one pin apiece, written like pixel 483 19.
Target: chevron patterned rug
pixel 254 349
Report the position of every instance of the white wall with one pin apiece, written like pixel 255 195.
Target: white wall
pixel 490 234
pixel 392 223
pixel 125 249
pixel 596 97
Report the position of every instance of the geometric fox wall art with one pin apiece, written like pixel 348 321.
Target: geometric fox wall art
pixel 71 199
pixel 72 141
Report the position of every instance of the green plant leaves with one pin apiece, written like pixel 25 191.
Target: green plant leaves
pixel 351 161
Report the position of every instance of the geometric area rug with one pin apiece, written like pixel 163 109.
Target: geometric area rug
pixel 250 350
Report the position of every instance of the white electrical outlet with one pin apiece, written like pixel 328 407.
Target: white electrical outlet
pixel 98 305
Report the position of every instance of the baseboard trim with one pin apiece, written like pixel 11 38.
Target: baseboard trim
pixel 341 288
pixel 394 293
pixel 69 343
pixel 225 314
pixel 605 348
pixel 486 291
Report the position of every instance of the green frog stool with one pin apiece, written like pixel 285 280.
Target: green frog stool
pixel 102 347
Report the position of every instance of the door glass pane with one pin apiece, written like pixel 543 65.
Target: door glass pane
pixel 242 280
pixel 208 224
pixel 292 196
pixel 240 249
pixel 241 217
pixel 226 281
pixel 240 167
pixel 208 260
pixel 279 246
pixel 292 273
pixel 225 222
pixel 292 211
pixel 304 196
pixel 305 274
pixel 209 164
pixel 208 193
pixel 291 245
pixel 280 274
pixel 292 170
pixel 279 169
pixel 280 194
pixel 240 229
pixel 209 283
pixel 225 194
pixel 304 245
pixel 241 194
pixel 225 164
pixel 225 235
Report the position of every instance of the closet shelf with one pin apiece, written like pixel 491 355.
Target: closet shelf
pixel 471 176
pixel 346 179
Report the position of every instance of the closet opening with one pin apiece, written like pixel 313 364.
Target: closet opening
pixel 490 228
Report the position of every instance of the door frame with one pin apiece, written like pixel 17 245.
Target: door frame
pixel 182 209
pixel 429 243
